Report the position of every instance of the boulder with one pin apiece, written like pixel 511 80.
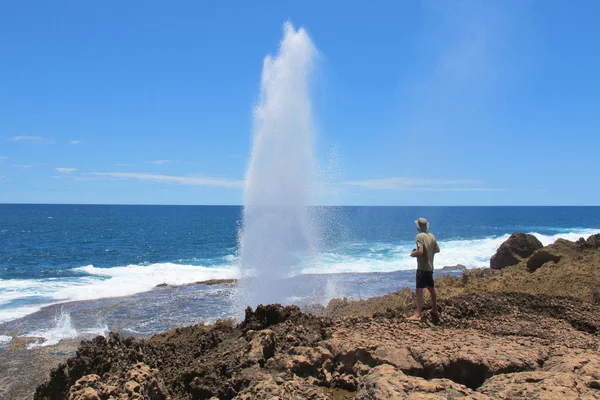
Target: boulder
pixel 515 249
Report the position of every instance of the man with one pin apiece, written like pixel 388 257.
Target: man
pixel 427 247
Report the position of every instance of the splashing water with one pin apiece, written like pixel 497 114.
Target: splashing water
pixel 62 329
pixel 277 230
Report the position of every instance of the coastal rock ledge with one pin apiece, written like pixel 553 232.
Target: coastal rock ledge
pixel 493 342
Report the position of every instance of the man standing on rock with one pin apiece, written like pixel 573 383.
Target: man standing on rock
pixel 427 246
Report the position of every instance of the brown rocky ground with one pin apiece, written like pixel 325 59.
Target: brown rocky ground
pixel 524 332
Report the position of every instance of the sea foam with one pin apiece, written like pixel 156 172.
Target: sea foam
pixel 21 297
pixel 4 340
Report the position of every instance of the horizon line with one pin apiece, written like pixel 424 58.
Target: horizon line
pixel 311 205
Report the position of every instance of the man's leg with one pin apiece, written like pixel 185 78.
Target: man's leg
pixel 433 294
pixel 419 299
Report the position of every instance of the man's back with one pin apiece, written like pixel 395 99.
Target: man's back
pixel 429 244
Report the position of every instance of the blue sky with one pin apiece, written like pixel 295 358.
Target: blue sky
pixel 416 103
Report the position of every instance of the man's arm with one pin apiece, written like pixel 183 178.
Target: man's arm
pixel 420 246
pixel 418 252
pixel 437 248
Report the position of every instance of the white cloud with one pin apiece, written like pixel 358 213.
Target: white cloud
pixel 3 158
pixel 24 138
pixel 31 139
pixel 160 162
pixel 66 170
pixel 183 180
pixel 75 142
pixel 22 166
pixel 420 184
pixel 124 165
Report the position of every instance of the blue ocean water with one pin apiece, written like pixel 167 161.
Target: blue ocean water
pixel 60 254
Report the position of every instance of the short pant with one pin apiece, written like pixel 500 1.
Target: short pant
pixel 424 279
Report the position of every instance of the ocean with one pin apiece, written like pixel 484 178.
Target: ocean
pixel 75 270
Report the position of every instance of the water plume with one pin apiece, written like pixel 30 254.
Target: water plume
pixel 277 231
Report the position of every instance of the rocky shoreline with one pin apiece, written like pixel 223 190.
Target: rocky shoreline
pixel 530 330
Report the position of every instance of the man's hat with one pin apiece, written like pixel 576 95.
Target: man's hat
pixel 422 224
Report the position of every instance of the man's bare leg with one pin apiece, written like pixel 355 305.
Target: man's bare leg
pixel 433 294
pixel 419 300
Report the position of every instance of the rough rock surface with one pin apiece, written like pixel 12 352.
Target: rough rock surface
pixel 480 338
pixel 140 382
pixel 540 386
pixel 386 382
pixel 490 344
pixel 518 247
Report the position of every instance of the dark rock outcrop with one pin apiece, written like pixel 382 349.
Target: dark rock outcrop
pixel 592 242
pixel 515 249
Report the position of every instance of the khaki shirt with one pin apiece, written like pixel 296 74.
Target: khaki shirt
pixel 429 244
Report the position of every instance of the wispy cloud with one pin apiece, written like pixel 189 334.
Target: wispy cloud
pixel 2 177
pixel 421 184
pixel 124 165
pixel 66 170
pixel 3 158
pixel 76 142
pixel 182 180
pixel 160 162
pixel 21 166
pixel 31 139
pixel 26 138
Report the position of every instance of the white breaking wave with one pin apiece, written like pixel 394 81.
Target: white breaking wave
pixel 132 279
pixel 386 258
pixel 100 283
pixel 4 340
